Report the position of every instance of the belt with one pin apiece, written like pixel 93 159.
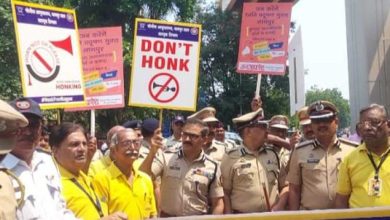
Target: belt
pixel 166 215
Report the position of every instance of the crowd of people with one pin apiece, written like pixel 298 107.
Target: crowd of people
pixel 59 174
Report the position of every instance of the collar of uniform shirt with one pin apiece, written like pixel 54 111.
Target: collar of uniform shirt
pixel 201 157
pixel 245 150
pixel 318 144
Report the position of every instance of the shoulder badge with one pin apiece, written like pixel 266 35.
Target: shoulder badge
pixel 349 142
pixel 305 144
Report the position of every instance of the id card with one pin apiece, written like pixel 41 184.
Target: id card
pixel 374 187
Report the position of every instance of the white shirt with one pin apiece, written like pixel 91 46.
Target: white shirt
pixel 42 185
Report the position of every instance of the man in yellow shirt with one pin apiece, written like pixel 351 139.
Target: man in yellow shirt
pixel 123 187
pixel 69 146
pixel 363 177
pixel 101 164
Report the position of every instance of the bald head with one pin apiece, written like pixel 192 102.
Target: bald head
pixel 112 131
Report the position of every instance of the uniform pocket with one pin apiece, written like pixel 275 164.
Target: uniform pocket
pixel 244 176
pixel 311 169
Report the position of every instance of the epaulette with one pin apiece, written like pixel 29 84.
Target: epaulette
pixel 43 151
pixel 349 142
pixel 305 144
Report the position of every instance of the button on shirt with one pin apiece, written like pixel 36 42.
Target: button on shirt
pixel 76 198
pixel 243 174
pixel 187 186
pixel 315 169
pixel 42 199
pixel 136 201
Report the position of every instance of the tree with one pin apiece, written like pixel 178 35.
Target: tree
pixel 333 95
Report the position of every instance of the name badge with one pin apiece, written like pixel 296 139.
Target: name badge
pixel 313 160
pixel 374 187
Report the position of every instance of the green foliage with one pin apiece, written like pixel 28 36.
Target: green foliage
pixel 219 85
pixel 333 95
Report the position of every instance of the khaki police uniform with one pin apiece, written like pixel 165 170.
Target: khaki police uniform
pixel 216 150
pixel 283 160
pixel 8 202
pixel 243 174
pixel 230 145
pixel 315 169
pixel 10 120
pixel 186 187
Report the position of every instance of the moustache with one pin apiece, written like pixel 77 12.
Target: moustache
pixel 132 153
pixel 80 157
pixel 187 142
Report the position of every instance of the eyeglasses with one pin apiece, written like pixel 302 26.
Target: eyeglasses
pixel 190 135
pixel 371 123
pixel 130 142
pixel 322 120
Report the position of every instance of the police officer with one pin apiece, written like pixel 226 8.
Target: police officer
pixel 314 164
pixel 305 127
pixel 177 127
pixel 220 136
pixel 215 149
pixel 10 121
pixel 250 172
pixel 278 126
pixel 190 180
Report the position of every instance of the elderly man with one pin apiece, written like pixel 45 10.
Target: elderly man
pixel 250 172
pixel 363 176
pixel 190 180
pixel 35 169
pixel 10 122
pixel 123 187
pixel 314 164
pixel 105 161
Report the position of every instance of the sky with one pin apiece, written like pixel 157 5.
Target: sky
pixel 324 43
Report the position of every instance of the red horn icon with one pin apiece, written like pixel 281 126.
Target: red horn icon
pixel 65 44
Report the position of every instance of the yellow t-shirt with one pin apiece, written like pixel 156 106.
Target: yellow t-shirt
pixel 80 196
pixel 98 165
pixel 354 174
pixel 136 200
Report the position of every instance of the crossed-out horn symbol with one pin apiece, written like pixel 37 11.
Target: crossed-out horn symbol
pixel 167 89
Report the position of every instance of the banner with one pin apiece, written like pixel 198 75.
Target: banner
pixel 296 73
pixel 165 65
pixel 49 54
pixel 264 37
pixel 101 50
